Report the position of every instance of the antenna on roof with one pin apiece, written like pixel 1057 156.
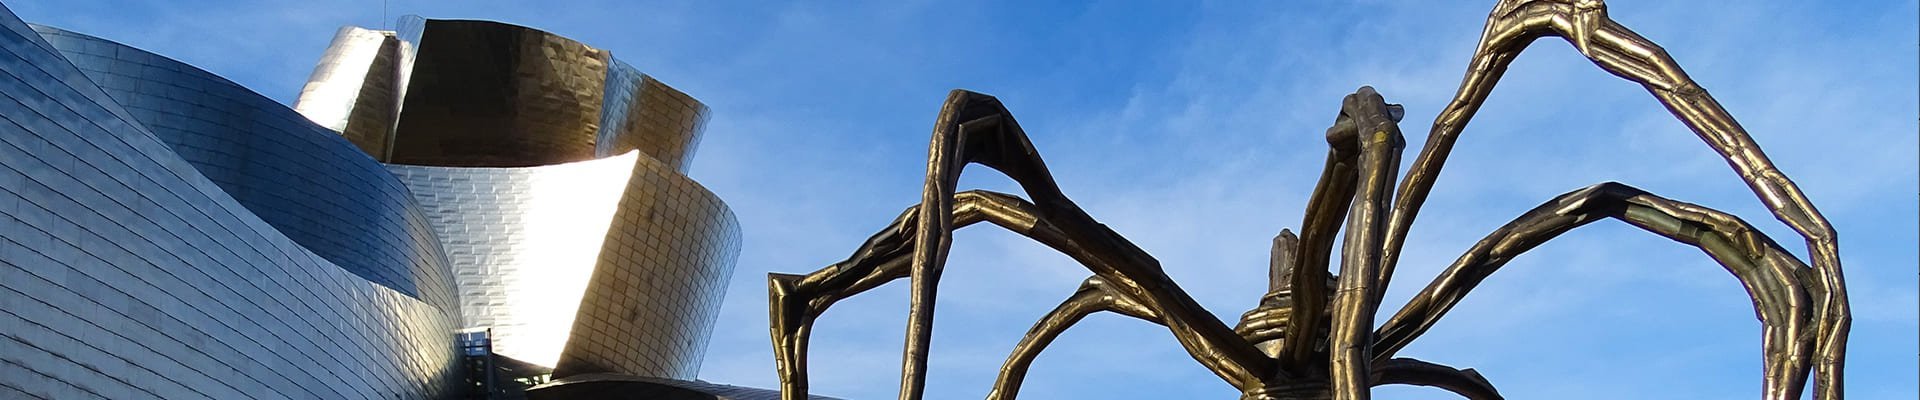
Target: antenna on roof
pixel 383 15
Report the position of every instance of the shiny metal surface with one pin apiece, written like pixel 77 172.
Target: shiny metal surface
pixel 357 87
pixel 1816 337
pixel 523 242
pixel 487 94
pixel 1313 337
pixel 303 179
pixel 328 97
pixel 657 285
pixel 125 272
pixel 642 113
pixel 555 176
pixel 227 239
pixel 611 265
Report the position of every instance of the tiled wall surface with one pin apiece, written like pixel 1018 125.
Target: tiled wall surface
pixel 491 108
pixel 523 242
pixel 657 266
pixel 126 273
pixel 170 234
pixel 357 87
pixel 487 94
pixel 329 95
pixel 642 113
pixel 657 287
pixel 302 178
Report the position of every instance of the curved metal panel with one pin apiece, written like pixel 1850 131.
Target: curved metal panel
pixel 299 177
pixel 657 287
pixel 491 111
pixel 357 87
pixel 496 117
pixel 622 262
pixel 487 94
pixel 522 242
pixel 126 273
pixel 642 113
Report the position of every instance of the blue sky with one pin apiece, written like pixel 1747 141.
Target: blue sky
pixel 1195 130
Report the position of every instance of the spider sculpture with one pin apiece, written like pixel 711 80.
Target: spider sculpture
pixel 1314 334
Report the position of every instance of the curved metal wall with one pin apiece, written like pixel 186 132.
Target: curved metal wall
pixel 125 272
pixel 639 112
pixel 630 281
pixel 523 242
pixel 656 289
pixel 492 114
pixel 357 87
pixel 487 94
pixel 302 178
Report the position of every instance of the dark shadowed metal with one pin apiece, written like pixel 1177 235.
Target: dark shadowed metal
pixel 1339 352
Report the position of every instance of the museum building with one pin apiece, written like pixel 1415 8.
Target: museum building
pixel 451 209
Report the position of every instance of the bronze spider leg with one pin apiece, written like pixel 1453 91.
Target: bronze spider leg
pixel 1406 371
pixel 796 300
pixel 1268 325
pixel 1311 252
pixel 1782 287
pixel 1329 204
pixel 1514 24
pixel 1094 295
pixel 1350 338
pixel 976 128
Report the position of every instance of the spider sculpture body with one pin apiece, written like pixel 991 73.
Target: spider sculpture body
pixel 1314 334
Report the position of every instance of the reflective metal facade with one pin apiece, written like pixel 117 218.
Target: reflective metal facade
pixel 657 287
pixel 127 271
pixel 370 68
pixel 503 128
pixel 486 94
pixel 304 179
pixel 523 243
pixel 642 113
pixel 167 233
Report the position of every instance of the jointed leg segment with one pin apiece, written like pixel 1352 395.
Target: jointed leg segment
pixel 1094 295
pixel 1514 24
pixel 797 299
pixel 1350 339
pixel 1407 371
pixel 1803 310
pixel 974 128
pixel 1783 289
